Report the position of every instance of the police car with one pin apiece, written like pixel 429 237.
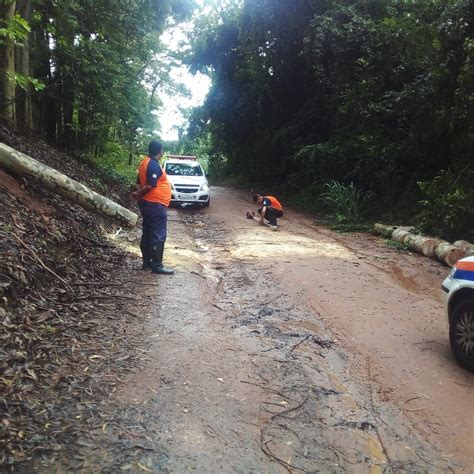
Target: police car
pixel 188 180
pixel 458 292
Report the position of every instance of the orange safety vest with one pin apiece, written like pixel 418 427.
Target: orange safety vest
pixel 161 193
pixel 275 203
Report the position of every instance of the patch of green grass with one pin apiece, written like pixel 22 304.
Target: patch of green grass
pixel 391 244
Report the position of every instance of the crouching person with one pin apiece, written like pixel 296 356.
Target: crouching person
pixel 153 195
pixel 271 208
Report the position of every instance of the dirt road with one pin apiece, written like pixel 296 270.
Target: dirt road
pixel 301 350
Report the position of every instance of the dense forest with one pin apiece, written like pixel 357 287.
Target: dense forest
pixel 346 103
pixel 86 74
pixel 349 106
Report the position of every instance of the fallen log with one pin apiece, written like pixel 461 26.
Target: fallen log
pixel 19 163
pixel 384 230
pixel 387 230
pixel 422 244
pixel 399 234
pixel 427 246
pixel 449 253
pixel 466 246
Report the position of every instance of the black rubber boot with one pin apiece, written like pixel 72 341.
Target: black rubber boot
pixel 157 265
pixel 146 265
pixel 147 255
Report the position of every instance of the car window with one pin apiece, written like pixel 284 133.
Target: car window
pixel 183 169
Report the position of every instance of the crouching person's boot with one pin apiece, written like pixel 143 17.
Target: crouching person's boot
pixel 157 265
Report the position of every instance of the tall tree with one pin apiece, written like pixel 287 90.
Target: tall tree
pixel 7 102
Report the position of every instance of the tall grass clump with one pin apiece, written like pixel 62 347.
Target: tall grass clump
pixel 345 202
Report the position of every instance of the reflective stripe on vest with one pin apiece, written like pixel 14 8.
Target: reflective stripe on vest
pixel 275 202
pixel 161 193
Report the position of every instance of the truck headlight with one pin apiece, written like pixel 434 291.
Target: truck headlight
pixel 205 188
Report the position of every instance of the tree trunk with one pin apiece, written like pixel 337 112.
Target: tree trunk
pixel 428 246
pixel 466 246
pixel 57 182
pixel 421 244
pixel 67 97
pixel 24 114
pixel 384 230
pixel 449 253
pixel 399 235
pixel 7 103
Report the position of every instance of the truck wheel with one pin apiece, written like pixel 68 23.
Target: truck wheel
pixel 461 334
pixel 206 204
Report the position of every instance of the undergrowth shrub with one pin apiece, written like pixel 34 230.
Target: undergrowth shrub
pixel 448 207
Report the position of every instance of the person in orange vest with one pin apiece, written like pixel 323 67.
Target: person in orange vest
pixel 271 208
pixel 153 195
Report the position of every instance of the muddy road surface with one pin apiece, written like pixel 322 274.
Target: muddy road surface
pixel 301 350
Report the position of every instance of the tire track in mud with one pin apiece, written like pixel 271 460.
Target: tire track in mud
pixel 317 415
pixel 242 376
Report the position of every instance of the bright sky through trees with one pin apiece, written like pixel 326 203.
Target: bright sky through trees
pixel 171 115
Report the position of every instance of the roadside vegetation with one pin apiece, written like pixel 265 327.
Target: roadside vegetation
pixel 353 110
pixel 324 99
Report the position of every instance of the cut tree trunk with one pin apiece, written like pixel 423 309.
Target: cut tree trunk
pixel 57 182
pixel 399 235
pixel 449 253
pixel 466 246
pixel 384 230
pixel 422 244
pixel 428 246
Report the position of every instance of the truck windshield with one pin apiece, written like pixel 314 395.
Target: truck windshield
pixel 183 169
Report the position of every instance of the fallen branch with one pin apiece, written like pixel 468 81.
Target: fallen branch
pixel 301 342
pixel 103 283
pixel 291 409
pixel 99 244
pixel 269 389
pixel 39 259
pixel 266 450
pixel 99 297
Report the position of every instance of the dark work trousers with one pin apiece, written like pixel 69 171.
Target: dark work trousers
pixel 154 226
pixel 271 214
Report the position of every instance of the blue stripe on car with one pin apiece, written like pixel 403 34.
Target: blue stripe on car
pixel 464 275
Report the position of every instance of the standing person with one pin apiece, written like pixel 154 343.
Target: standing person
pixel 270 210
pixel 153 195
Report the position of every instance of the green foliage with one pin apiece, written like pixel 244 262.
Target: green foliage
pixel 396 245
pixel 306 198
pixel 15 29
pixel 114 163
pixel 447 209
pixel 25 82
pixel 344 201
pixel 380 94
pixel 100 68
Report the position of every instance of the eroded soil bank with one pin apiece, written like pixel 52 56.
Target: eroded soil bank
pixel 300 350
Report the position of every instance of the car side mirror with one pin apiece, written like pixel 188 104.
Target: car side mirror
pixel 207 175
